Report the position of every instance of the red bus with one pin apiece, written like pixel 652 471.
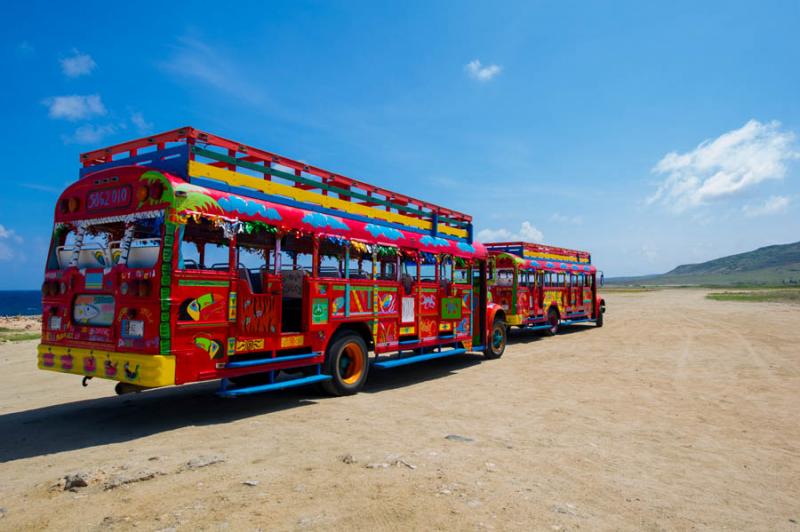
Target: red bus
pixel 187 257
pixel 544 287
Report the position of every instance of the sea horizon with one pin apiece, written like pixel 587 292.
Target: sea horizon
pixel 20 303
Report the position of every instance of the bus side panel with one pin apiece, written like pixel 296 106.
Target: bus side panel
pixel 203 307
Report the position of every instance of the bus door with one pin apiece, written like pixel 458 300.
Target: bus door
pixel 588 295
pixel 576 292
pixel 258 296
pixel 524 301
pixel 428 295
pixel 543 281
pixel 204 295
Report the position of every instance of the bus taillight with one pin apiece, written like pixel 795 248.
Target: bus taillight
pixel 142 193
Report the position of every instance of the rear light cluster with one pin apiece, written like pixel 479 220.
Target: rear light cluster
pixel 132 328
pixel 136 288
pixel 53 288
pixel 70 204
pixel 154 191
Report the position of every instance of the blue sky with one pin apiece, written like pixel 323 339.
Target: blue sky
pixel 650 134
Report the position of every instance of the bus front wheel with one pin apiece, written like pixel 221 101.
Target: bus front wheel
pixel 552 320
pixel 347 362
pixel 496 344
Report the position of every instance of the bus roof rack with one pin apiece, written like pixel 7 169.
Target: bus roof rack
pixel 173 150
pixel 531 250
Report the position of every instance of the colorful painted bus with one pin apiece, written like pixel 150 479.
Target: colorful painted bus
pixel 186 257
pixel 544 287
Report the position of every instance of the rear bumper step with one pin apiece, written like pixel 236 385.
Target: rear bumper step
pixel 402 361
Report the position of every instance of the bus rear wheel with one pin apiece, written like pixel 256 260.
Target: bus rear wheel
pixel 496 344
pixel 552 320
pixel 347 362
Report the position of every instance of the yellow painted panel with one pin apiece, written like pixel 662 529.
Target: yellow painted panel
pixel 513 319
pixel 407 330
pixel 144 370
pixel 248 345
pixel 242 180
pixel 292 341
pixel 445 326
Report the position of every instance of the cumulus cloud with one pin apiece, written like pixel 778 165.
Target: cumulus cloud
pixel 9 244
pixel 772 205
pixel 142 125
pixel 479 72
pixel 90 134
pixel 729 164
pixel 77 64
pixel 75 107
pixel 527 232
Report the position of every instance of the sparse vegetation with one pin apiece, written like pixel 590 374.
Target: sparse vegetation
pixel 790 295
pixel 18 336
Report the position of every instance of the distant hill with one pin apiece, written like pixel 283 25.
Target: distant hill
pixel 770 265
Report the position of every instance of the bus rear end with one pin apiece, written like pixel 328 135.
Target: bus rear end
pixel 101 297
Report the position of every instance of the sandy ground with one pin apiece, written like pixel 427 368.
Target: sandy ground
pixel 681 413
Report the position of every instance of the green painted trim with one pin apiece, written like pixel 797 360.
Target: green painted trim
pixel 203 282
pixel 430 290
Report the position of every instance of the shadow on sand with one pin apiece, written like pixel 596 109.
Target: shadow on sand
pixel 84 424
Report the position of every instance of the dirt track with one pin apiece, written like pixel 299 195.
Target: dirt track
pixel 681 413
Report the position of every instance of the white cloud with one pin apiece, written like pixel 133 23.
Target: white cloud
pixel 77 64
pixel 729 164
pixel 90 134
pixel 477 71
pixel 772 205
pixel 563 219
pixel 9 244
pixel 75 107
pixel 141 124
pixel 196 61
pixel 527 232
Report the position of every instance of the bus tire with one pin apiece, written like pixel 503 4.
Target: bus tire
pixel 347 362
pixel 552 319
pixel 599 321
pixel 496 343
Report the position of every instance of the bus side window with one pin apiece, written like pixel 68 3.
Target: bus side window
pixel 387 269
pixel 427 272
pixel 446 269
pixel 203 247
pixel 461 273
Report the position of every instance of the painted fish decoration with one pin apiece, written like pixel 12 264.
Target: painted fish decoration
pixel 84 313
pixel 196 306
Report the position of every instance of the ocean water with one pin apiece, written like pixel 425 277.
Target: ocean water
pixel 20 302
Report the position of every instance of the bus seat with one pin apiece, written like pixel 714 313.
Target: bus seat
pixel 407 281
pixel 293 283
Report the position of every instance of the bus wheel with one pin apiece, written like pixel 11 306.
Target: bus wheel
pixel 347 362
pixel 552 320
pixel 599 321
pixel 497 340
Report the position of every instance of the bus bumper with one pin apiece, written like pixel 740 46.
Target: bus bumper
pixel 148 371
